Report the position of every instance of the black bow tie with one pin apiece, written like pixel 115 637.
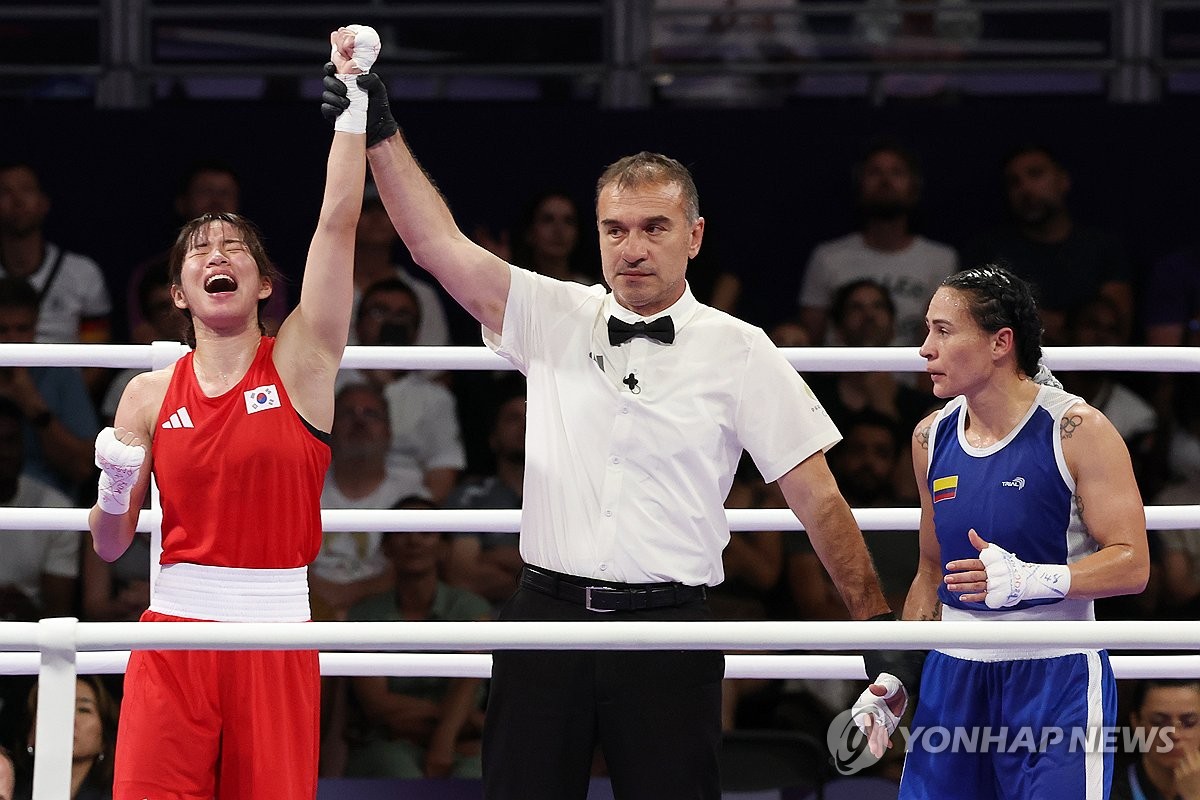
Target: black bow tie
pixel 620 332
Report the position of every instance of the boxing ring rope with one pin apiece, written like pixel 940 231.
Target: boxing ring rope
pixel 805 359
pixel 615 635
pixel 59 649
pixel 479 665
pixel 1158 518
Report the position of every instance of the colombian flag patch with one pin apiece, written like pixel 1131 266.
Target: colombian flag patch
pixel 945 488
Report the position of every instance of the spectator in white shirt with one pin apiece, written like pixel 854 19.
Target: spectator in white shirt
pixel 73 302
pixel 884 249
pixel 350 565
pixel 75 306
pixel 426 439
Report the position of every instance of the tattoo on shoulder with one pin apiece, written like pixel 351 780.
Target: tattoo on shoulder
pixel 935 613
pixel 1078 504
pixel 922 437
pixel 1069 425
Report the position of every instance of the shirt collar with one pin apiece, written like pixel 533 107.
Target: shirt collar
pixel 681 311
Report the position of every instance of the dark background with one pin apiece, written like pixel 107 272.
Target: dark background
pixel 772 182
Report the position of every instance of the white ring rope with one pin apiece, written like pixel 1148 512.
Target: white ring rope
pixel 807 359
pixel 59 649
pixel 1158 518
pixel 616 635
pixel 479 665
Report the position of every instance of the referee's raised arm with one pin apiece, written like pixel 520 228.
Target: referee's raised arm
pixel 473 276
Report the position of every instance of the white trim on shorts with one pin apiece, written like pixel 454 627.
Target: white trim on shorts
pixel 1064 610
pixel 1093 758
pixel 232 594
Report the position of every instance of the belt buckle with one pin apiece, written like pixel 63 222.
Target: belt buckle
pixel 587 600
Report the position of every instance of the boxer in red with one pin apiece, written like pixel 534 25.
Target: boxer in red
pixel 236 435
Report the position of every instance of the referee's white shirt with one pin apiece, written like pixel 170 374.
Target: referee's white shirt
pixel 628 484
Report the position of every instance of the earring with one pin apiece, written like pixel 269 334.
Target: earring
pixel 100 756
pixel 29 749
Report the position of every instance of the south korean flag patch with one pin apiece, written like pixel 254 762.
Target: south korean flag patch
pixel 262 398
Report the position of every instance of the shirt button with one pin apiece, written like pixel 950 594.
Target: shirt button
pixel 624 409
pixel 603 567
pixel 616 460
pixel 608 512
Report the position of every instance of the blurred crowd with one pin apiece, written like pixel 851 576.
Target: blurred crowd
pixel 432 440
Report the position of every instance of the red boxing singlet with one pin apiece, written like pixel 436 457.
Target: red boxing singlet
pixel 240 474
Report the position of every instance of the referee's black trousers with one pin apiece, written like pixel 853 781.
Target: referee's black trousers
pixel 656 714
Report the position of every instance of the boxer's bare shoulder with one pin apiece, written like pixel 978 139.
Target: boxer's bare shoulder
pixel 143 398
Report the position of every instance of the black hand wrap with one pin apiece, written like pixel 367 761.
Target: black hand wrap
pixel 904 664
pixel 333 99
pixel 380 124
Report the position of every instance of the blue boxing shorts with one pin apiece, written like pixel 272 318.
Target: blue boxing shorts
pixel 1032 727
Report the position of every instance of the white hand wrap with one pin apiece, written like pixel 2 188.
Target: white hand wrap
pixel 869 704
pixel 1011 580
pixel 119 464
pixel 366 50
pixel 366 46
pixel 354 118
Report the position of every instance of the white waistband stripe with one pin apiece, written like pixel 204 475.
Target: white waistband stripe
pixel 232 594
pixel 1063 611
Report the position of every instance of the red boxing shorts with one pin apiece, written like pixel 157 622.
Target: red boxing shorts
pixel 230 724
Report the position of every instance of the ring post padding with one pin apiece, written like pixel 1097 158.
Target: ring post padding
pixel 56 708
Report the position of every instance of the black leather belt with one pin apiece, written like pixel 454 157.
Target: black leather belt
pixel 607 596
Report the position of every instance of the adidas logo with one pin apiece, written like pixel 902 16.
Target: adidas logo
pixel 180 419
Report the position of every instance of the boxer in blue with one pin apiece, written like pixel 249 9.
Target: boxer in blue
pixel 1029 511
